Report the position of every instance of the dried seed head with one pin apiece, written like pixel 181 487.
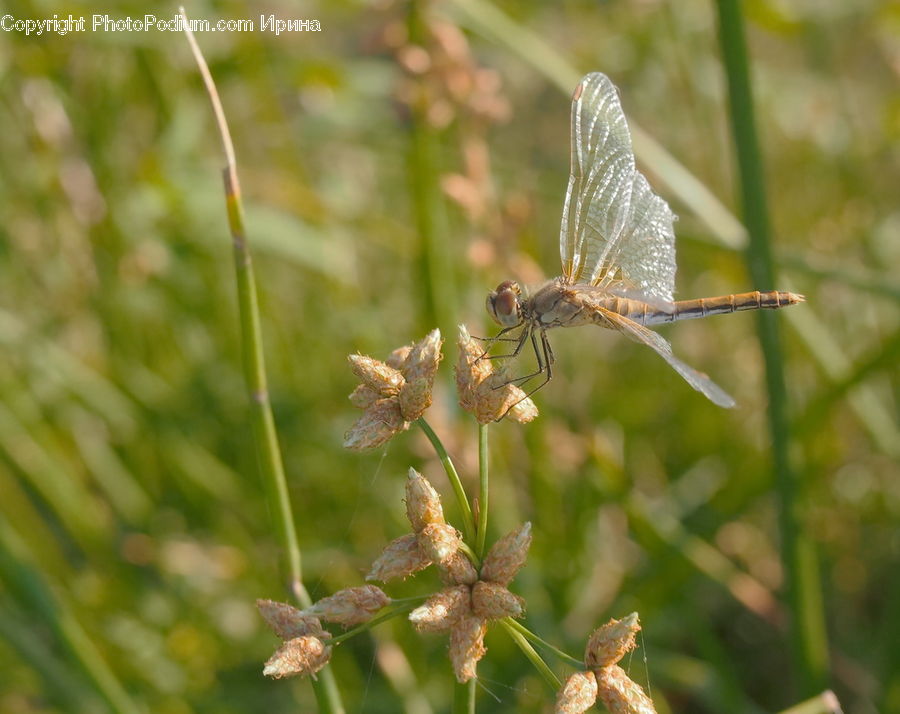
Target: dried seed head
pixel 619 694
pixel 577 695
pixel 491 601
pixel 439 541
pixel 423 358
pixel 376 374
pixel 457 570
pixel 363 396
pixel 507 556
pixel 423 504
pixel 610 642
pixel 524 410
pixel 376 426
pixel 415 397
pixel 397 358
pixel 471 370
pixel 441 611
pixel 467 646
pixel 351 606
pixel 301 655
pixel 494 398
pixel 288 622
pixel 401 558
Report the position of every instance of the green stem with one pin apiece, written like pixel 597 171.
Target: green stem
pixel 808 635
pixel 532 654
pixel 265 435
pixel 450 470
pixel 567 658
pixel 399 609
pixel 464 697
pixel 483 491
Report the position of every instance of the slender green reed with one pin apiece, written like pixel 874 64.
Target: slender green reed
pixel 26 583
pixel 264 432
pixel 808 637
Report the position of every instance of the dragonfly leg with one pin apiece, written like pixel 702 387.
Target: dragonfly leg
pixel 520 340
pixel 545 359
pixel 540 355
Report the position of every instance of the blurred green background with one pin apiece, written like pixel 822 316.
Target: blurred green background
pixel 396 166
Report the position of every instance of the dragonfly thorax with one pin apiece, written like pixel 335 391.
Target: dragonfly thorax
pixel 504 305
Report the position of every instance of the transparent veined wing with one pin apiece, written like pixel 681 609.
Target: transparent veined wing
pixel 697 380
pixel 597 209
pixel 614 226
pixel 645 254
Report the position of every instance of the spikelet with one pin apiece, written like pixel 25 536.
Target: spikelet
pixel 457 570
pixel 507 556
pixel 423 504
pixel 577 695
pixel 467 646
pixel 491 601
pixel 442 610
pixel 376 375
pixel 401 558
pixel 621 695
pixel 351 606
pixel 300 655
pixel 288 622
pixel 439 541
pixel 378 424
pixel 612 641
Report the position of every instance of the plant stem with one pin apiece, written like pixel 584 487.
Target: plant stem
pixel 377 620
pixel 483 491
pixel 532 654
pixel 461 498
pixel 464 697
pixel 519 627
pixel 808 635
pixel 264 432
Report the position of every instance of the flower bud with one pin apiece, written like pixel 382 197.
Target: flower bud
pixel 288 622
pixel 439 541
pixel 423 504
pixel 401 558
pixel 491 601
pixel 301 655
pixel 376 374
pixel 423 358
pixel 577 695
pixel 467 646
pixel 376 426
pixel 610 642
pixel 442 610
pixel 619 694
pixel 350 606
pixel 457 570
pixel 507 556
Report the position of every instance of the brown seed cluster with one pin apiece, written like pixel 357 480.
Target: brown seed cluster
pixel 482 391
pixel 469 602
pixel 433 540
pixel 604 679
pixel 392 393
pixel 305 649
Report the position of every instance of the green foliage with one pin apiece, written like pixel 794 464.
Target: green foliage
pixel 135 531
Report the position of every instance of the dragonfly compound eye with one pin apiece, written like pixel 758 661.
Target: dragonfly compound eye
pixel 503 304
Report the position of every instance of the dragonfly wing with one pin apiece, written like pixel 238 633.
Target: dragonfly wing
pixel 598 206
pixel 645 255
pixel 697 380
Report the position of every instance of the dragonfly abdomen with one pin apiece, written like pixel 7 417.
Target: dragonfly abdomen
pixel 703 307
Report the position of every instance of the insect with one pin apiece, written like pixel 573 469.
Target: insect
pixel 617 246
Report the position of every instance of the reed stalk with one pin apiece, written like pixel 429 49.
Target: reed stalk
pixel 808 639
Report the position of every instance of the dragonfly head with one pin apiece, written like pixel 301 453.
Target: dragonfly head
pixel 503 304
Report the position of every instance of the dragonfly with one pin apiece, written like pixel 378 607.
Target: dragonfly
pixel 617 247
